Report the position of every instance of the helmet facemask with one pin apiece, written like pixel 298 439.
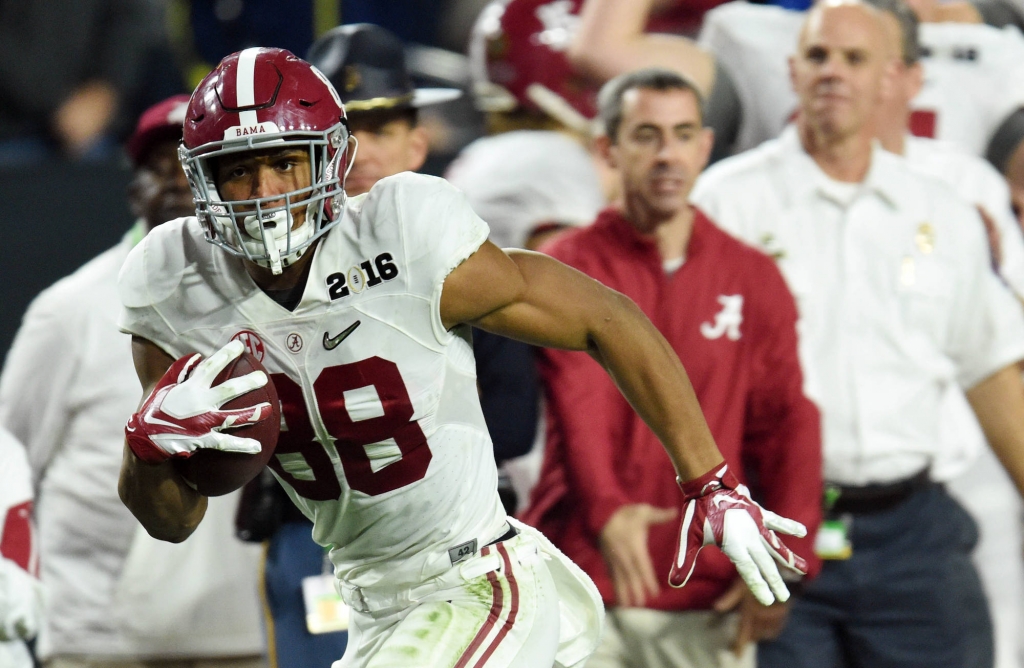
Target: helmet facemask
pixel 261 230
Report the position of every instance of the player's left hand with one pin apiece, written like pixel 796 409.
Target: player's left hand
pixel 757 622
pixel 718 511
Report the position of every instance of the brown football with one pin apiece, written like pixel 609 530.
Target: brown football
pixel 213 472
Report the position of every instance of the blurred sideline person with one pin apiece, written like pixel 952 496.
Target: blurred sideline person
pixel 739 62
pixel 897 299
pixel 607 494
pixel 538 112
pixel 973 178
pixel 383 444
pixel 21 596
pixel 531 178
pixel 367 66
pixel 983 489
pixel 116 597
pixel 972 93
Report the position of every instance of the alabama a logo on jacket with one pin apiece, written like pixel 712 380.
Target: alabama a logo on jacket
pixel 727 321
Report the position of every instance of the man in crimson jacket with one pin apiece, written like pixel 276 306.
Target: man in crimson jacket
pixel 607 494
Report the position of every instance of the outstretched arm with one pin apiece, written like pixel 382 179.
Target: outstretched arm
pixel 537 299
pixel 533 298
pixel 611 41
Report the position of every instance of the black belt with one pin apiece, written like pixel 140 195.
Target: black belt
pixel 511 533
pixel 873 498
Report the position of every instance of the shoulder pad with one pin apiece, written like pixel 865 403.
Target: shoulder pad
pixel 155 267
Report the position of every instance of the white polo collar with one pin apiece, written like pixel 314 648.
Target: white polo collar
pixel 884 177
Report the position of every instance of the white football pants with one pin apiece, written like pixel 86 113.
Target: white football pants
pixel 499 609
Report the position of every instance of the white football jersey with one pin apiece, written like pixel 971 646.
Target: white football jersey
pixel 383 443
pixel 973 74
pixel 973 80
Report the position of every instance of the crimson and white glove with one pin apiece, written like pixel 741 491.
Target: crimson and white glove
pixel 184 413
pixel 719 511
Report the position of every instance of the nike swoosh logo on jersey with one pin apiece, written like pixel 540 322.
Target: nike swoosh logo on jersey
pixel 332 342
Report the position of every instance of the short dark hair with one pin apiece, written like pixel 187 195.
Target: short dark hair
pixel 609 100
pixel 908 22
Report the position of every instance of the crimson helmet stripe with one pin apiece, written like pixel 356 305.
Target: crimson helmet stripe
pixel 245 85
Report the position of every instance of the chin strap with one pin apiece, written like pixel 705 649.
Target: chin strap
pixel 270 242
pixel 268 234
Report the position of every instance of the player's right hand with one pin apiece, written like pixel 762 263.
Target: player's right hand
pixel 183 413
pixel 719 511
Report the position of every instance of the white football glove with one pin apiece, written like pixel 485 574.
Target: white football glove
pixel 719 511
pixel 183 413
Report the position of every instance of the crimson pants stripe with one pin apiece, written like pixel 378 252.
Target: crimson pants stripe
pixel 492 616
pixel 513 588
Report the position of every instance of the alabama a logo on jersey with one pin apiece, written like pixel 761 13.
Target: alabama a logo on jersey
pixel 727 321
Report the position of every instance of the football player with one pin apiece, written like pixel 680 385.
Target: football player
pixel 358 309
pixel 532 175
pixel 367 65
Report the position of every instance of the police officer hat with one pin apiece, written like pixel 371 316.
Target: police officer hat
pixel 366 64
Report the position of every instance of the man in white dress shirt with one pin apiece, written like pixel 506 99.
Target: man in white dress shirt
pixel 897 301
pixel 67 387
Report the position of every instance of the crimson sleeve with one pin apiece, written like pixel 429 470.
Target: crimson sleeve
pixel 16 536
pixel 782 435
pixel 582 403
